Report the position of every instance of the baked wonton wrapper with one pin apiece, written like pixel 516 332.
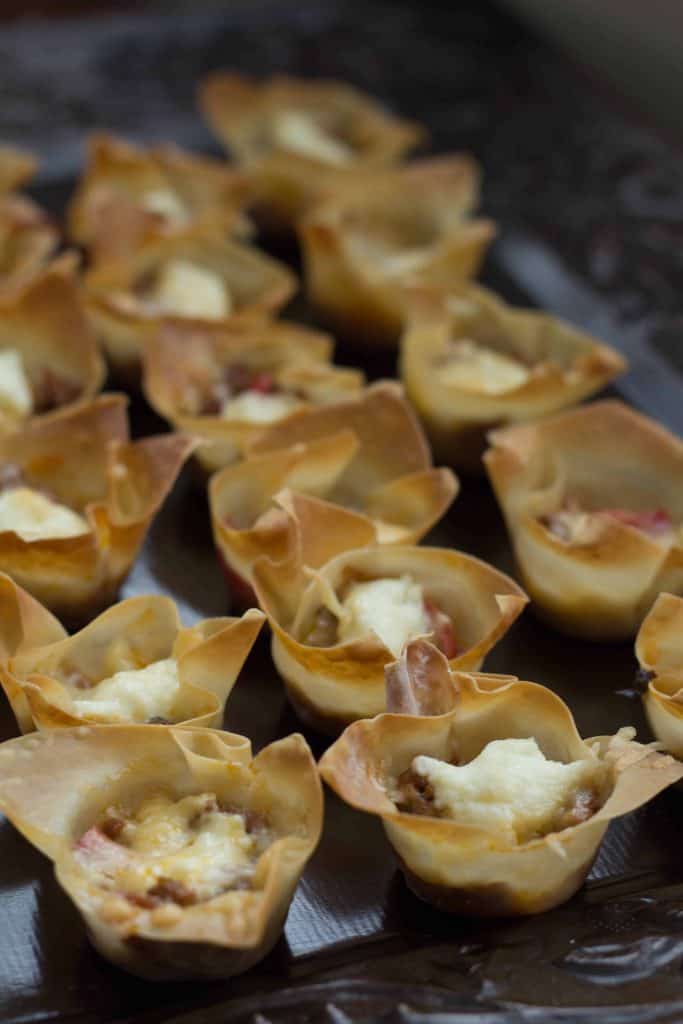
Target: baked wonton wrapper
pixel 43 322
pixel 659 648
pixel 121 294
pixel 467 868
pixel 83 459
pixel 56 785
pixel 469 362
pixel 300 139
pixel 28 237
pixel 332 547
pixel 367 453
pixel 616 477
pixel 128 195
pixel 42 680
pixel 367 244
pixel 189 373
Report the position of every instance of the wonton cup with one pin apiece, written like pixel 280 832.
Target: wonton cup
pixel 138 631
pixel 554 366
pixel 332 686
pixel 181 365
pixel 129 195
pixel 366 453
pixel 56 785
pixel 366 245
pixel 463 868
pixel 83 458
pixel 254 120
pixel 257 284
pixel 659 648
pixel 28 237
pixel 605 456
pixel 43 320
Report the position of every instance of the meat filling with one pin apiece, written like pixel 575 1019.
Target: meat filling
pixel 574 525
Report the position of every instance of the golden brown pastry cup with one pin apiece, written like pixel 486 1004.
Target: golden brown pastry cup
pixel 16 168
pixel 108 213
pixel 259 285
pixel 332 686
pixel 659 649
pixel 452 716
pixel 564 366
pixel 179 361
pixel 366 453
pixel 43 319
pixel 240 111
pixel 55 785
pixel 353 239
pixel 604 455
pixel 28 238
pixel 83 457
pixel 209 656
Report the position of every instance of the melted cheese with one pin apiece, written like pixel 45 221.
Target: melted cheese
pixel 167 204
pixel 255 407
pixel 393 609
pixel 473 367
pixel 299 132
pixel 509 788
pixel 133 695
pixel 185 289
pixel 16 397
pixel 33 516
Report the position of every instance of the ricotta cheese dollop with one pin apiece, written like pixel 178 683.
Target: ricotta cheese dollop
pixel 33 516
pixel 474 367
pixel 184 289
pixel 133 695
pixel 393 609
pixel 510 788
pixel 253 406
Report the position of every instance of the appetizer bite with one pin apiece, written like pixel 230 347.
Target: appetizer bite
pixel 341 607
pixel 469 362
pixel 180 851
pixel 48 353
pixel 192 277
pixel 28 238
pixel 299 139
pixel 228 386
pixel 659 649
pixel 366 453
pixel 129 194
pixel 76 500
pixel 593 501
pixel 364 246
pixel 492 801
pixel 134 663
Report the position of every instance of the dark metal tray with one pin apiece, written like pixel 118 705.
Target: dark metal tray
pixel 591 208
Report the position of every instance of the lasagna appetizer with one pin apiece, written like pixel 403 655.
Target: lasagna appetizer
pixel 180 851
pixel 491 800
pixel 298 139
pixel 366 453
pixel 48 353
pixel 228 386
pixel 341 607
pixel 192 277
pixel 129 195
pixel 593 500
pixel 76 500
pixel 659 647
pixel 366 245
pixel 133 663
pixel 469 362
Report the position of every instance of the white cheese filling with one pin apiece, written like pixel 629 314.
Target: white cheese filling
pixel 510 788
pixel 393 609
pixel 184 289
pixel 33 516
pixel 474 367
pixel 299 132
pixel 16 397
pixel 256 407
pixel 133 695
pixel 165 203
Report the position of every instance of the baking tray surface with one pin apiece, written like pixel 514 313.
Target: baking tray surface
pixel 590 203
